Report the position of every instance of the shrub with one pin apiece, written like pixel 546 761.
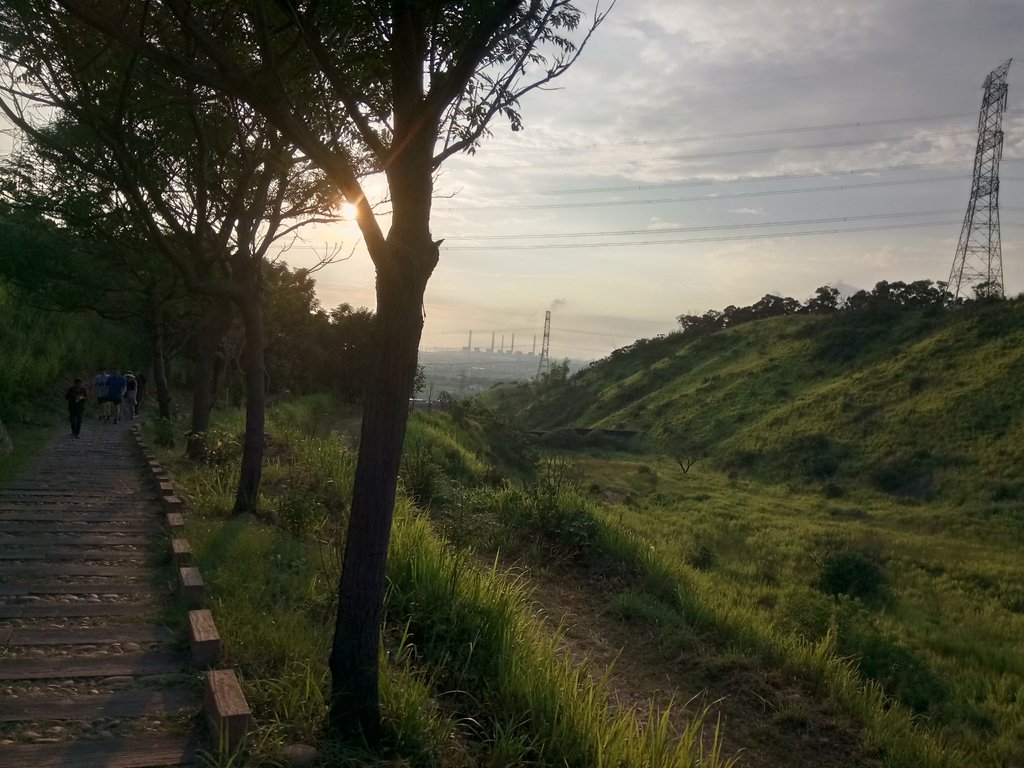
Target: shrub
pixel 850 572
pixel 908 475
pixel 422 479
pixel 701 556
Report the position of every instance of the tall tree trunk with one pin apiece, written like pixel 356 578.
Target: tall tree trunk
pixel 354 653
pixel 247 495
pixel 159 355
pixel 202 400
pixel 216 321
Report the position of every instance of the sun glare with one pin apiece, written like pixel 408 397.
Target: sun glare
pixel 348 211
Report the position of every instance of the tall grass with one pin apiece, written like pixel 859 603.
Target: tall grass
pixel 470 677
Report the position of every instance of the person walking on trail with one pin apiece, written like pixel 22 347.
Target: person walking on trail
pixel 116 385
pixel 77 395
pixel 140 390
pixel 131 395
pixel 99 389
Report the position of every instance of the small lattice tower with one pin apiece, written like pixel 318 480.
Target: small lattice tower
pixel 978 265
pixel 545 359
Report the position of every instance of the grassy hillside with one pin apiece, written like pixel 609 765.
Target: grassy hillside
pixel 858 486
pixel 919 404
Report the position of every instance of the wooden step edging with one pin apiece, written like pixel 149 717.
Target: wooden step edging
pixel 227 712
pixel 191 588
pixel 203 638
pixel 181 552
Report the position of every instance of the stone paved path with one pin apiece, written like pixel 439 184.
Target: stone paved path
pixel 89 677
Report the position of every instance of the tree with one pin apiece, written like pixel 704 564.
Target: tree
pixel 208 180
pixel 366 87
pixel 825 299
pixel 77 251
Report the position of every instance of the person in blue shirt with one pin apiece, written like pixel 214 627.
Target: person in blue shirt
pixel 116 386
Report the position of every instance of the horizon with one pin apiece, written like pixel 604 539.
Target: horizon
pixel 688 134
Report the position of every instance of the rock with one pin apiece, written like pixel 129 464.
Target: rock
pixel 31 735
pixel 299 755
pixel 130 647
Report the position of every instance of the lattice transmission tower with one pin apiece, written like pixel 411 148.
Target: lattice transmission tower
pixel 978 264
pixel 545 346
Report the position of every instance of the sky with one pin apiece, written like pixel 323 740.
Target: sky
pixel 704 153
pixel 700 135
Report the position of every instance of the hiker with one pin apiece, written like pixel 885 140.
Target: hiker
pixel 140 390
pixel 99 388
pixel 131 390
pixel 77 395
pixel 115 393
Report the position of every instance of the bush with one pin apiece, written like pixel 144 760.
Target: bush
pixel 422 479
pixel 909 475
pixel 850 572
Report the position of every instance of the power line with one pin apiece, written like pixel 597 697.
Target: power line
pixel 710 198
pixel 761 150
pixel 737 180
pixel 507 147
pixel 710 228
pixel 727 238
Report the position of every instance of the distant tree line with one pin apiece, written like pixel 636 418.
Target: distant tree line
pixel 825 300
pixel 916 295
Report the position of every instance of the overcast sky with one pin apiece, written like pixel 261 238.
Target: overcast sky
pixel 655 137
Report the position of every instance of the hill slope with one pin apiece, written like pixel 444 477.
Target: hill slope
pixel 916 403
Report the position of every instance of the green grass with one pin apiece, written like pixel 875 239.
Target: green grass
pixel 941 636
pixel 918 404
pixel 470 675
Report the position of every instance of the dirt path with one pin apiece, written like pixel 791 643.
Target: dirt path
pixel 768 719
pixel 89 676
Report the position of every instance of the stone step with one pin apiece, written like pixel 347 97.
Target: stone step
pixel 87 635
pixel 107 527
pixel 10 542
pixel 67 667
pixel 105 555
pixel 12 571
pixel 33 514
pixel 47 609
pixel 120 704
pixel 128 752
pixel 60 588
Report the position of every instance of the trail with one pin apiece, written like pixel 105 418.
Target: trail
pixel 89 676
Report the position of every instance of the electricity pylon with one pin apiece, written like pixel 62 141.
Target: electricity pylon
pixel 979 258
pixel 545 360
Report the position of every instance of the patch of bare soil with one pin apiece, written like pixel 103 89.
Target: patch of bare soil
pixel 768 718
